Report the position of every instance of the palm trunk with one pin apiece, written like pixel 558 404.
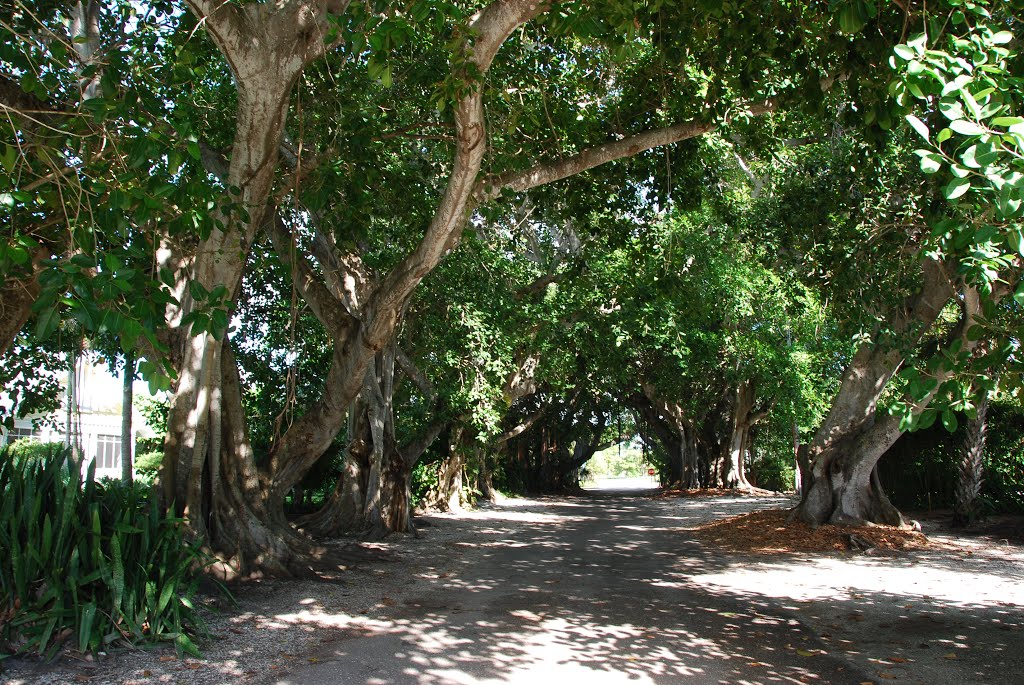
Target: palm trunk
pixel 971 468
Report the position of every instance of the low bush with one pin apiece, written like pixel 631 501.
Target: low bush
pixel 147 465
pixel 31 449
pixel 90 563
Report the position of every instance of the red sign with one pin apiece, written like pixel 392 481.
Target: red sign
pixel 650 472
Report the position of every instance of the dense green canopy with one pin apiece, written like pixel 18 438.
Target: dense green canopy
pixel 480 241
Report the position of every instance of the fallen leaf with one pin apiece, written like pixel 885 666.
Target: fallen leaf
pixel 951 656
pixel 805 652
pixel 168 658
pixel 887 676
pixel 899 660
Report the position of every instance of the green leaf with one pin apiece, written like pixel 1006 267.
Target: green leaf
pixel 1002 38
pixel 966 128
pixel 1007 121
pixel 85 627
pixel 949 420
pixel 930 162
pixel 956 188
pixel 1018 296
pixel 46 323
pixel 919 126
pixel 969 157
pixel 9 158
pixel 852 17
pixel 905 52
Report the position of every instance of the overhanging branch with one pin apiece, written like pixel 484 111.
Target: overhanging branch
pixel 517 181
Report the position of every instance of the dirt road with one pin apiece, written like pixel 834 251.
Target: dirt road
pixel 588 590
pixel 604 588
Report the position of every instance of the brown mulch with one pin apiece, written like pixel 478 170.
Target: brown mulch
pixel 771 532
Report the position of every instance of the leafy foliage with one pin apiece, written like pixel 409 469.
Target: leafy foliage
pixel 88 563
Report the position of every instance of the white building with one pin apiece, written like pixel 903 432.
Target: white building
pixel 99 404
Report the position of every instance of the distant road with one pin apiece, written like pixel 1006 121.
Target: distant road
pixel 642 483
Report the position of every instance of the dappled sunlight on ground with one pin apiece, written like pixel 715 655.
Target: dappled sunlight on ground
pixel 620 591
pixel 596 599
pixel 613 587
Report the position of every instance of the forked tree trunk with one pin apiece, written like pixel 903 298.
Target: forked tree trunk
pixel 373 496
pixel 841 484
pixel 446 494
pixel 971 468
pixel 267 47
pixel 734 464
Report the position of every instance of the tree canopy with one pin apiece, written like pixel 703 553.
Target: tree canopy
pixel 353 239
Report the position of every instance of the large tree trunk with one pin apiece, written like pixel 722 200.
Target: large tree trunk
pixel 840 485
pixel 742 421
pixel 373 495
pixel 675 431
pixel 267 46
pixel 17 295
pixel 971 468
pixel 734 467
pixel 446 494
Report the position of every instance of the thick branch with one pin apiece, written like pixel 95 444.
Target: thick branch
pixel 412 451
pixel 491 187
pixel 321 301
pixel 522 427
pixel 415 375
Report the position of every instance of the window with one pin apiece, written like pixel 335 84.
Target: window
pixel 17 433
pixel 108 451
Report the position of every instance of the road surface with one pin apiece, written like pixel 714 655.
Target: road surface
pixel 592 590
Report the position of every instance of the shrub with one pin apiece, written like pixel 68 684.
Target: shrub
pixel 147 464
pixel 90 563
pixel 31 449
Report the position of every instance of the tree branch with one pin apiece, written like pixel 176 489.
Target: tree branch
pixel 491 187
pixel 321 301
pixel 420 379
pixel 522 427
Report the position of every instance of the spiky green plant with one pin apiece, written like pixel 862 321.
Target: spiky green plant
pixel 86 563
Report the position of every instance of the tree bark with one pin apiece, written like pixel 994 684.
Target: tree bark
pixel 971 468
pixel 126 417
pixel 17 295
pixel 841 485
pixel 267 46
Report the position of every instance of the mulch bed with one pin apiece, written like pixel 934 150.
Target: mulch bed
pixel 771 532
